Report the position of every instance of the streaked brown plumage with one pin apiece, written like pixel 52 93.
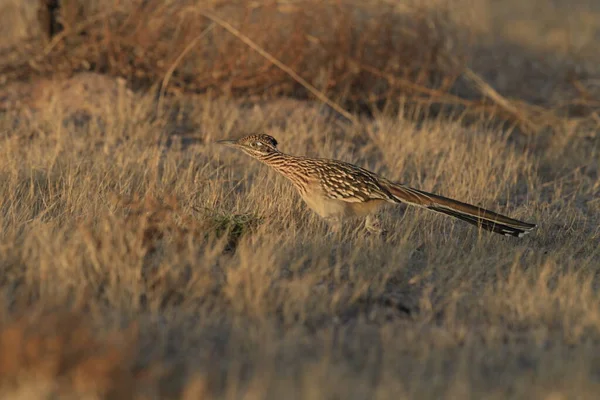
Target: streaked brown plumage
pixel 336 189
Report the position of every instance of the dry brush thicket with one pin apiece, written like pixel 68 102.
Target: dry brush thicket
pixel 139 260
pixel 361 54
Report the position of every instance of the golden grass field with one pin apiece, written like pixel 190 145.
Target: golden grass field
pixel 140 260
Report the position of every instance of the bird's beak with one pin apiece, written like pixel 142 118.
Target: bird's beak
pixel 227 142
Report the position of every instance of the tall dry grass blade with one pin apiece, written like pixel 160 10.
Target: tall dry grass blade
pixel 169 73
pixel 488 91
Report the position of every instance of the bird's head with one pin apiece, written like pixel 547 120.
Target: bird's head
pixel 257 145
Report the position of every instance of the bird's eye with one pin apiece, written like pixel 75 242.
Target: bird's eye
pixel 257 144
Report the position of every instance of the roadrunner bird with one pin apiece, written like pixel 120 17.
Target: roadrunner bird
pixel 336 189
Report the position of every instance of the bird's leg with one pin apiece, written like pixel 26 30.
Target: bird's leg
pixel 335 226
pixel 373 225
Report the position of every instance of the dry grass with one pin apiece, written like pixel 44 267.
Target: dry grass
pixel 138 260
pixel 235 292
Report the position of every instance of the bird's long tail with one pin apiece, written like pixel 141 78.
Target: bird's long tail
pixel 485 219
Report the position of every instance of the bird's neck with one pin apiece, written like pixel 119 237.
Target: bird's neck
pixel 287 165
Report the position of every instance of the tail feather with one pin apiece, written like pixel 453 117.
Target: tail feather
pixel 474 215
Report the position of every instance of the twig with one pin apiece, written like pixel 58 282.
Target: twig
pixel 77 29
pixel 250 43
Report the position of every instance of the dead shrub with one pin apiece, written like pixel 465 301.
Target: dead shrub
pixel 346 49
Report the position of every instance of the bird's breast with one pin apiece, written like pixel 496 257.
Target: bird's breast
pixel 328 207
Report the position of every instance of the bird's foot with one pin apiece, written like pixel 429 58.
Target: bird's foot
pixel 335 229
pixel 374 228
